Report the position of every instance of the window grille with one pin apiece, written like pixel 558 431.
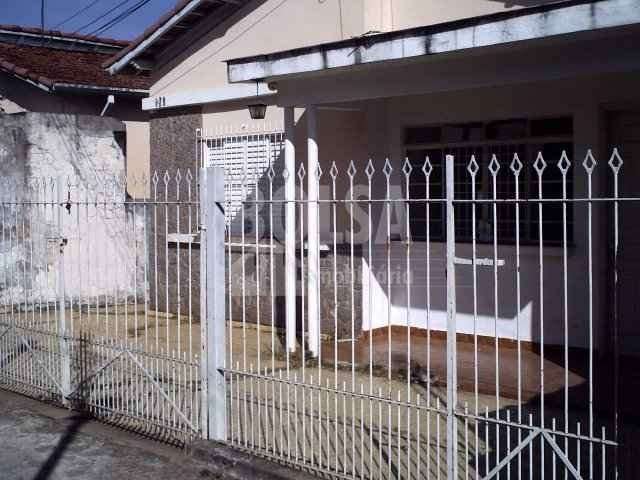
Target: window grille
pixel 504 139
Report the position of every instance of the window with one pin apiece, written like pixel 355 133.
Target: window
pixel 503 138
pixel 245 158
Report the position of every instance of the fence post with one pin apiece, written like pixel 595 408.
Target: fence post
pixel 290 228
pixel 213 306
pixel 63 334
pixel 452 375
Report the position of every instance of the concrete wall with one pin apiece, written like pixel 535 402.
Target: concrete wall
pixel 53 158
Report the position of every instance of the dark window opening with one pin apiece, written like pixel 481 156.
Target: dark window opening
pixel 521 137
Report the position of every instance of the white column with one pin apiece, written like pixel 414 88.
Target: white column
pixel 290 227
pixel 313 277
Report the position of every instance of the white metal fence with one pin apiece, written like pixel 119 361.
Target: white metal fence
pixel 438 352
pixel 97 298
pixel 521 378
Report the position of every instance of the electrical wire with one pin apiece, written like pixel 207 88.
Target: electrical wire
pixel 97 19
pixel 79 12
pixel 121 17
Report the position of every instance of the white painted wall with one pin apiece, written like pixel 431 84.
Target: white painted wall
pixel 390 15
pixel 262 27
pixel 196 62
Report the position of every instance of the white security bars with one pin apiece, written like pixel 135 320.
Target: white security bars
pixel 243 156
pixel 506 387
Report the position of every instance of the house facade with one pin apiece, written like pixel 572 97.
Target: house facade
pixel 547 79
pixel 183 53
pixel 411 80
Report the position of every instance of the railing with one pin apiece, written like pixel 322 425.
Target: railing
pixel 440 351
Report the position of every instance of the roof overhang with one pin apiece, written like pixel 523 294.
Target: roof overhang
pixel 534 23
pixel 98 89
pixel 228 93
pixel 178 22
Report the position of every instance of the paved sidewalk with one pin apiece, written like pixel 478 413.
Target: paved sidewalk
pixel 40 442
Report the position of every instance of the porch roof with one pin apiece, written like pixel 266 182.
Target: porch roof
pixel 549 20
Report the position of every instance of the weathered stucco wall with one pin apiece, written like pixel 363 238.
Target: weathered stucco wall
pixel 48 160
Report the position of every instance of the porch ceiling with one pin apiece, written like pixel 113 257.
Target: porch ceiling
pixel 534 23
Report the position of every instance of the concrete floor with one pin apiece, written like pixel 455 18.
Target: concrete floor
pixel 41 442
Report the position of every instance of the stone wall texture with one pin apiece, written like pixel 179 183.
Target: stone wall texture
pixel 259 297
pixel 174 265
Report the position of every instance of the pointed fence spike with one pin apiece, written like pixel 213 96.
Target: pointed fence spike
pixel 589 162
pixel 494 166
pixel 369 170
pixel 407 168
pixel 351 171
pixel 473 166
pixel 333 172
pixel 564 163
pixel 615 162
pixel 427 168
pixel 387 169
pixel 516 165
pixel 539 165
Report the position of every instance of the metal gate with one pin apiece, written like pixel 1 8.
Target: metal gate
pixel 459 335
pixel 99 309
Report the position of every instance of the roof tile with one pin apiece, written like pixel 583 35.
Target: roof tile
pixel 50 66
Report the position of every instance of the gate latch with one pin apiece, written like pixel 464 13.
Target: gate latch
pixel 484 262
